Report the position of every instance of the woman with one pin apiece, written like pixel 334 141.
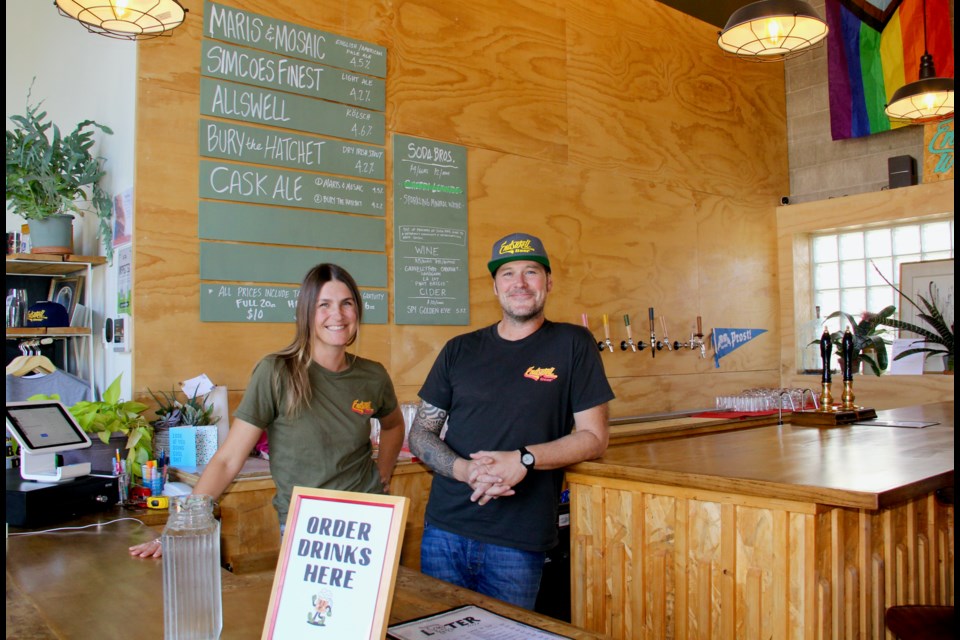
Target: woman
pixel 315 402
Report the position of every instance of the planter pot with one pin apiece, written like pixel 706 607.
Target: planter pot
pixel 161 439
pixel 53 235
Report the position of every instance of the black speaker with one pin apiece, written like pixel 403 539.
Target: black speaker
pixel 902 171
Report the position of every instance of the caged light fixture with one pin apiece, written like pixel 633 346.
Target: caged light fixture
pixel 772 30
pixel 927 99
pixel 125 19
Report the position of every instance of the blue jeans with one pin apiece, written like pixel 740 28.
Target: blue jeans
pixel 510 574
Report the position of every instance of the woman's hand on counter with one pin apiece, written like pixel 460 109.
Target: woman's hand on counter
pixel 152 549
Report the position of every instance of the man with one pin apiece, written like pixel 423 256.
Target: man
pixel 512 392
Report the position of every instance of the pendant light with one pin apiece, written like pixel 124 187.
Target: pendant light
pixel 772 30
pixel 927 99
pixel 125 19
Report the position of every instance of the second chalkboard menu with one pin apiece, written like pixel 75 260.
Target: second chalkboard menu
pixel 431 277
pixel 293 171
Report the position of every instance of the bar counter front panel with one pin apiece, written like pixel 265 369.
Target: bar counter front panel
pixel 767 532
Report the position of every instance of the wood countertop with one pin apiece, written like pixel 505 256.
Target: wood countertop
pixel 863 467
pixel 83 583
pixel 255 474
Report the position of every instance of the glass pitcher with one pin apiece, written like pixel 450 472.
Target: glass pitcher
pixel 192 603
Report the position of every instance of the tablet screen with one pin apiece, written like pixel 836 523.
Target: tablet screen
pixel 44 425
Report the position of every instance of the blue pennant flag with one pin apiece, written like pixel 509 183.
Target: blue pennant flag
pixel 726 340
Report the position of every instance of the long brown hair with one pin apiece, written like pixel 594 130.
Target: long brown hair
pixel 295 358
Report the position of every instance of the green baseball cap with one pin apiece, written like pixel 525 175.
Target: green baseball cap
pixel 517 246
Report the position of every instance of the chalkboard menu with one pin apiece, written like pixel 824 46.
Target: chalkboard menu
pixel 244 183
pixel 221 302
pixel 230 141
pixel 431 277
pixel 293 173
pixel 286 38
pixel 263 106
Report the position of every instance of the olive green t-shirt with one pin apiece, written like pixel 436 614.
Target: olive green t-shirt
pixel 327 446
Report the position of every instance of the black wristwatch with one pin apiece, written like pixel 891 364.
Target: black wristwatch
pixel 527 459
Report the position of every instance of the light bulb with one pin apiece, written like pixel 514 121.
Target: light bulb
pixel 773 31
pixel 120 8
pixel 928 102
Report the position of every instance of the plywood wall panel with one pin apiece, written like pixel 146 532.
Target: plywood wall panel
pixel 486 74
pixel 648 163
pixel 648 98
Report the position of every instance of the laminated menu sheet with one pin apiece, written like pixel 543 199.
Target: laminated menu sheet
pixel 469 621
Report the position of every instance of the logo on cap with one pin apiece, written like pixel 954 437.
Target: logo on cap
pixel 513 247
pixel 517 246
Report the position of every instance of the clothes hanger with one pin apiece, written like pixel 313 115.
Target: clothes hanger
pixel 32 362
pixel 19 361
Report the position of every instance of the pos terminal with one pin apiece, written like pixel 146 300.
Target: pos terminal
pixel 44 491
pixel 44 429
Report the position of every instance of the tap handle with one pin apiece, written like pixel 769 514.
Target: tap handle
pixel 826 348
pixel 846 347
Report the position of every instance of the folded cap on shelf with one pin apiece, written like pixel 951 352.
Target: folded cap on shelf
pixel 47 313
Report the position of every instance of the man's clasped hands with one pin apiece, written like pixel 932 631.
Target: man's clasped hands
pixel 492 474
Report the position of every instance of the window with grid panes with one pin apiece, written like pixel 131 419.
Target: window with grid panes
pixel 845 264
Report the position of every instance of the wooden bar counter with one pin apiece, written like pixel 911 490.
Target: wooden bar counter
pixel 765 532
pixel 83 584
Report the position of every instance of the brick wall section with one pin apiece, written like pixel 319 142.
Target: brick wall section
pixel 821 167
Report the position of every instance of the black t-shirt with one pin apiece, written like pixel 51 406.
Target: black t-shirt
pixel 501 395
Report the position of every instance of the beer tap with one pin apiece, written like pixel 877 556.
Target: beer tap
pixel 629 341
pixel 606 333
pixel 846 347
pixel 654 345
pixel 671 346
pixel 826 347
pixel 696 340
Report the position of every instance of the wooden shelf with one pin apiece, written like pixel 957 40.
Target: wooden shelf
pixel 52 265
pixel 43 266
pixel 51 332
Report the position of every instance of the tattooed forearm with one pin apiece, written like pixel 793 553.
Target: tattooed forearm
pixel 425 442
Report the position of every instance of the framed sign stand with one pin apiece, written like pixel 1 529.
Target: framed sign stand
pixel 337 567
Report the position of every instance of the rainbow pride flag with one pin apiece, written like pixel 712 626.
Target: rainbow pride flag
pixel 873 49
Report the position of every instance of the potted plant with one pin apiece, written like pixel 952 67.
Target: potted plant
pixel 869 338
pixel 51 175
pixel 171 412
pixel 110 417
pixel 936 338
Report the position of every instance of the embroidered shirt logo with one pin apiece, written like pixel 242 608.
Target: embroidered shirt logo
pixel 363 407
pixel 541 374
pixel 516 246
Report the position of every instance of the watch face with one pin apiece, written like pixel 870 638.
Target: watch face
pixel 527 459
